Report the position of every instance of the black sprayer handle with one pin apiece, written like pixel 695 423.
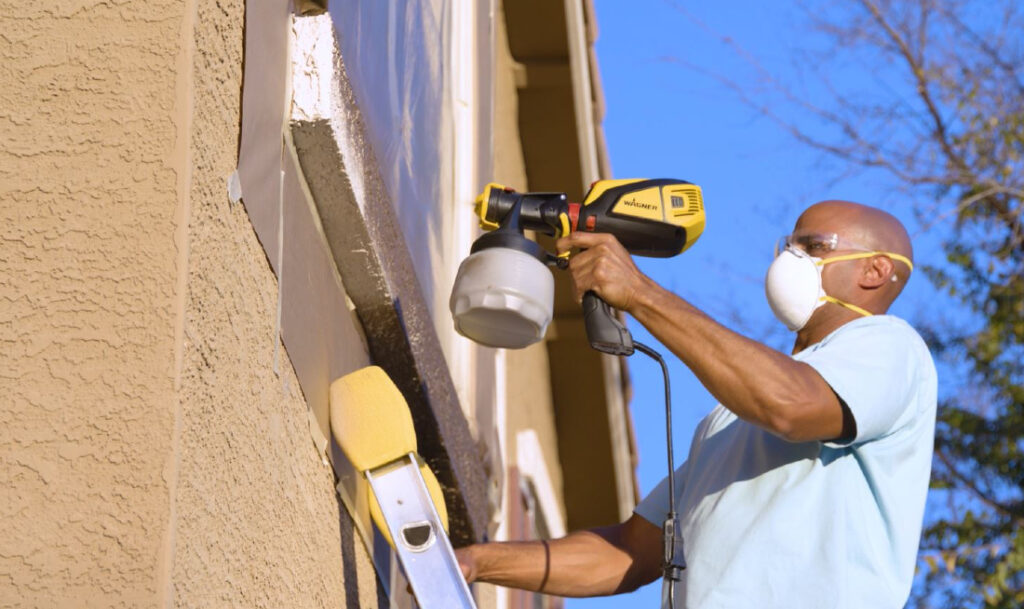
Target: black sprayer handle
pixel 604 331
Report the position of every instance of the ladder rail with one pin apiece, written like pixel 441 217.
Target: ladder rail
pixel 422 546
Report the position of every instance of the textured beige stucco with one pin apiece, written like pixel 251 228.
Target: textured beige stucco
pixel 154 445
pixel 87 290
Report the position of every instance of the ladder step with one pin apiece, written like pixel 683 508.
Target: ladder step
pixel 422 546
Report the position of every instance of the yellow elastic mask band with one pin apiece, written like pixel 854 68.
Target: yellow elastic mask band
pixel 858 255
pixel 852 307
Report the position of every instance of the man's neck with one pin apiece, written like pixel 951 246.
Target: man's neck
pixel 823 323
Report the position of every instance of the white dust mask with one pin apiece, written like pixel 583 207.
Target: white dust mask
pixel 793 285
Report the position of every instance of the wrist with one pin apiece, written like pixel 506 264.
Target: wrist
pixel 485 560
pixel 645 298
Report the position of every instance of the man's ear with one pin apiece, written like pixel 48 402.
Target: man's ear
pixel 877 272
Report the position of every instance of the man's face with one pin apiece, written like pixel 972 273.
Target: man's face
pixel 822 232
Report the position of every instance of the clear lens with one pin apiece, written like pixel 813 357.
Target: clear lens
pixel 814 244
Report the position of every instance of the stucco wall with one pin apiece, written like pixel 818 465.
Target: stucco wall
pixel 275 535
pixel 87 299
pixel 154 449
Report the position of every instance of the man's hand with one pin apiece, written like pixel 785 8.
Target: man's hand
pixel 605 267
pixel 467 563
pixel 596 562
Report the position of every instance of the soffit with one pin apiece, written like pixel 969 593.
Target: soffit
pixel 595 443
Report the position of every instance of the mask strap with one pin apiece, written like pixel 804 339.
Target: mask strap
pixel 858 255
pixel 852 307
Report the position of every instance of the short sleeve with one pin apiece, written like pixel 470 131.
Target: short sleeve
pixel 872 366
pixel 654 507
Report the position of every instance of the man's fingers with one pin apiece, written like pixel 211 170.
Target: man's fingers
pixel 602 265
pixel 582 240
pixel 581 267
pixel 464 557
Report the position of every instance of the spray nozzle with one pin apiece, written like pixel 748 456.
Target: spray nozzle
pixel 545 212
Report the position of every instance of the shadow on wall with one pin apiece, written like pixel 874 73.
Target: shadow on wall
pixel 348 562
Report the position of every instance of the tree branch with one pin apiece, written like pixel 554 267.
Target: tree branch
pixel 941 130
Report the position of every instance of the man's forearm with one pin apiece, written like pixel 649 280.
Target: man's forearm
pixel 584 563
pixel 758 383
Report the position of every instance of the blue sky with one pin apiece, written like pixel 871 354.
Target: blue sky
pixel 664 119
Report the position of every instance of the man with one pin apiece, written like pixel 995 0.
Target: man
pixel 805 486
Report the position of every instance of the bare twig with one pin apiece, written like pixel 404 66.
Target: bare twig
pixel 917 69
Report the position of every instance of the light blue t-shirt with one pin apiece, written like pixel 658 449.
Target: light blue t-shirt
pixel 768 523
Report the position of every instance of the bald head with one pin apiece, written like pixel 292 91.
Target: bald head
pixel 867 226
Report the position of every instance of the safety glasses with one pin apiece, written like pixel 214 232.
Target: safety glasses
pixel 820 245
pixel 815 244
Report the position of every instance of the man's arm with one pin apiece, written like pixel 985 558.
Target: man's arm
pixel 759 384
pixel 595 562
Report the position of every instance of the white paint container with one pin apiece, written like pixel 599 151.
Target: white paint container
pixel 502 298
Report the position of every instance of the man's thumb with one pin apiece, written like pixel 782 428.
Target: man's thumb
pixel 465 559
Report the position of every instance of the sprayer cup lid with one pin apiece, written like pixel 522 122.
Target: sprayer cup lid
pixel 502 297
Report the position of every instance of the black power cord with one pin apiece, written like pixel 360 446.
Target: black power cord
pixel 672 571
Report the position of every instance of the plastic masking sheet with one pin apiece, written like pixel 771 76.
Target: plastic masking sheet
pixel 396 55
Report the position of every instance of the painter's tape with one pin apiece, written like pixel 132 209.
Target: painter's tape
pixel 234 187
pixel 280 271
pixel 319 439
